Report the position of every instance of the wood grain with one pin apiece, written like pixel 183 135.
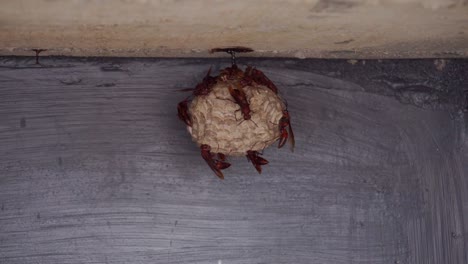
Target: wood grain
pixel 96 168
pixel 357 29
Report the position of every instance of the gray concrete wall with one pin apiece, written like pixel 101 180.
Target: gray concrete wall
pixel 95 167
pixel 293 28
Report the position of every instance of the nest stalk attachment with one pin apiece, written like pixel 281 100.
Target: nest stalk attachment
pixel 232 51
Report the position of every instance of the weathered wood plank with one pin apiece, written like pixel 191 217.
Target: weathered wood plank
pixel 96 168
pixel 357 29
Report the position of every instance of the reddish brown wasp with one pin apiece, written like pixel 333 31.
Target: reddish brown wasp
pixel 214 164
pixel 231 73
pixel 260 78
pixel 257 161
pixel 205 86
pixel 284 122
pixel 241 99
pixel 182 112
pixel 221 156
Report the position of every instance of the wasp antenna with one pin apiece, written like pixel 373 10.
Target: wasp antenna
pixel 274 123
pixel 208 72
pixel 254 122
pixel 240 121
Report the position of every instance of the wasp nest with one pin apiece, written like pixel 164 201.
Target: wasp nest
pixel 236 113
pixel 218 121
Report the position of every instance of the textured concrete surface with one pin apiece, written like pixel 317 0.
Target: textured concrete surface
pixel 293 28
pixel 95 167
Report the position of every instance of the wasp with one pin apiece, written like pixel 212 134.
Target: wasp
pixel 241 99
pixel 285 122
pixel 257 161
pixel 216 165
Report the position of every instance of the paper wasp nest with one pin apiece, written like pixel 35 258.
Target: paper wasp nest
pixel 217 119
pixel 236 113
